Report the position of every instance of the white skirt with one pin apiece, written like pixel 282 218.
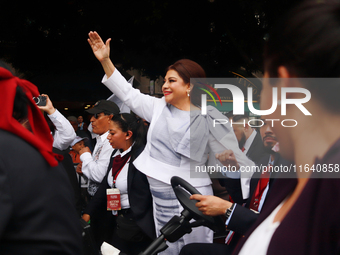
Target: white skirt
pixel 166 206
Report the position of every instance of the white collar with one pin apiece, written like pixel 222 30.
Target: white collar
pixel 249 141
pixel 122 154
pixel 102 137
pixel 271 161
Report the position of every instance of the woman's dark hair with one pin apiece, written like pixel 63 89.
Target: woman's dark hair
pixel 7 66
pixel 20 105
pixel 128 122
pixel 20 101
pixel 187 69
pixel 307 42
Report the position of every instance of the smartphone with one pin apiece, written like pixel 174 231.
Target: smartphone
pixel 40 100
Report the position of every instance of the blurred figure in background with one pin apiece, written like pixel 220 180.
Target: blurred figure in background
pixel 81 124
pixel 302 216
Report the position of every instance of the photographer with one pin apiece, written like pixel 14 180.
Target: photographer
pixel 63 133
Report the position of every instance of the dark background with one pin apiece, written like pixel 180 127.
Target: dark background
pixel 46 40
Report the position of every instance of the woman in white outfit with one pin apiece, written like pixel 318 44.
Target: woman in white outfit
pixel 179 137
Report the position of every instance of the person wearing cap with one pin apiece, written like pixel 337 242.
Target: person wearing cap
pixel 76 146
pixel 94 165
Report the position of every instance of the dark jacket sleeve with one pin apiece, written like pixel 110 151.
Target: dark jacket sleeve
pixel 233 186
pixel 140 197
pixel 68 165
pixel 242 219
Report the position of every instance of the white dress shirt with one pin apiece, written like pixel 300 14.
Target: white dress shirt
pixel 258 242
pixel 64 133
pixel 121 180
pixel 249 141
pixel 94 166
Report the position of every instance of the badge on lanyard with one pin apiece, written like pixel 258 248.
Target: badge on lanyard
pixel 113 195
pixel 113 199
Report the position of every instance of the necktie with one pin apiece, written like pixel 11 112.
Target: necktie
pixel 261 186
pixel 243 149
pixel 97 153
pixel 256 198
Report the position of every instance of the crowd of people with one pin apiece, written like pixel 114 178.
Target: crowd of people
pixel 115 171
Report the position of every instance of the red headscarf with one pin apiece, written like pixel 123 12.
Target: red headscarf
pixel 40 137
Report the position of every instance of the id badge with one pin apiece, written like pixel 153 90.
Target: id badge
pixel 113 199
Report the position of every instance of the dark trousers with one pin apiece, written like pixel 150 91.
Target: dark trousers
pixel 136 245
pixel 130 248
pixel 103 225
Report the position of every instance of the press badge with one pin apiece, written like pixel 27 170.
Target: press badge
pixel 113 199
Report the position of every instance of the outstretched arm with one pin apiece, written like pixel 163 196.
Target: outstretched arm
pixel 64 133
pixel 101 51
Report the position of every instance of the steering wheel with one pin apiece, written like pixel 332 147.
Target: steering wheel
pixel 183 190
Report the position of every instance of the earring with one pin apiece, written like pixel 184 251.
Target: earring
pixel 188 93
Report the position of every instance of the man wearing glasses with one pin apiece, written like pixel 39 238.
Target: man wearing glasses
pixel 94 166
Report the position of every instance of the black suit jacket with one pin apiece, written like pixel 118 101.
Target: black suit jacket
pixel 72 176
pixel 140 198
pixel 243 218
pixel 312 225
pixel 38 215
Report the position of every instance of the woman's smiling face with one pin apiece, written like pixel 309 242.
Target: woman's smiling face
pixel 174 88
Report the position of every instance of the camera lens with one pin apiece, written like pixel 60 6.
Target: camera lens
pixel 36 100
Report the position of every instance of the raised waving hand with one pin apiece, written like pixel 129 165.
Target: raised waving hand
pixel 100 50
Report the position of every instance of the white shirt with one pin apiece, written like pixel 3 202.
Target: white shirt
pixel 64 133
pixel 95 167
pixel 121 180
pixel 249 141
pixel 258 242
